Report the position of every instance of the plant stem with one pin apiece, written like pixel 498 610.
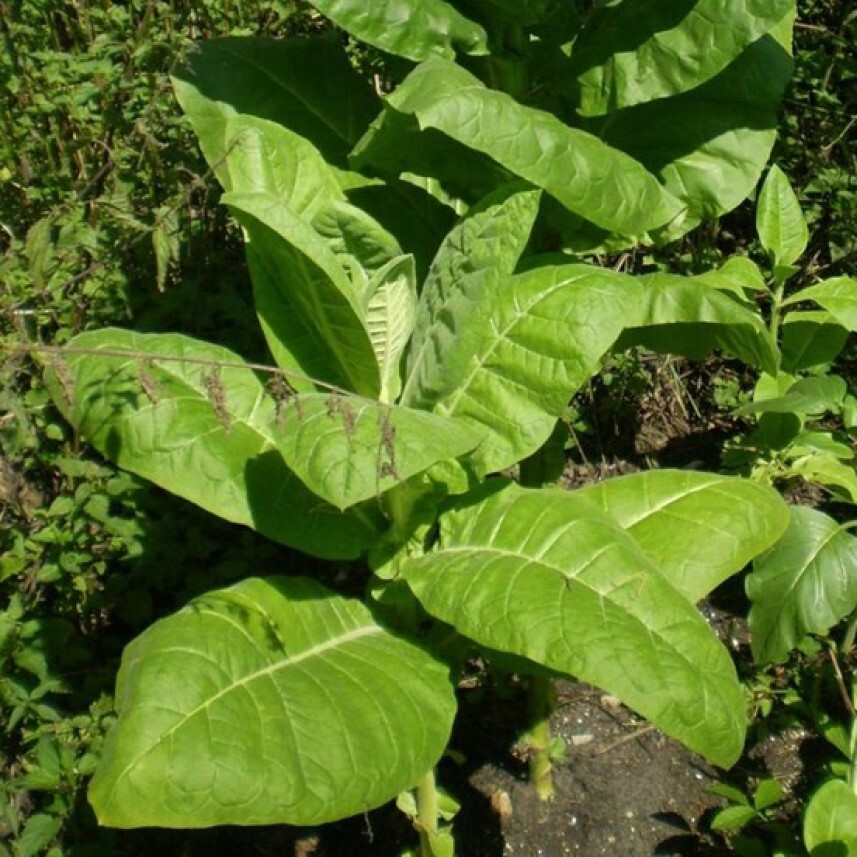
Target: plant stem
pixel 850 633
pixel 541 705
pixel 852 743
pixel 427 813
pixel 777 308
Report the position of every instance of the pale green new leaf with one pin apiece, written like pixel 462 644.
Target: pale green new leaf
pixel 471 265
pixel 813 395
pixel 265 157
pixel 521 352
pixel 641 50
pixel 346 449
pixel 831 820
pixel 416 29
pixel 390 317
pixel 588 177
pixel 548 575
pixel 308 85
pixel 308 307
pixel 696 528
pixel 190 417
pixel 272 702
pixel 780 223
pixel 681 315
pixel 733 817
pixel 804 585
pixel 837 295
pixel 737 275
pixel 360 244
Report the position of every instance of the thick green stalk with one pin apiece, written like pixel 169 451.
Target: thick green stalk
pixel 541 702
pixel 542 468
pixel 427 813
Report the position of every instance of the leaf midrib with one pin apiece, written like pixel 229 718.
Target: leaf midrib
pixel 313 651
pixel 569 580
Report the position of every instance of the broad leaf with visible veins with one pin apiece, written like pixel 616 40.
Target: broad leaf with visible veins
pixel 471 265
pixel 310 310
pixel 780 222
pixel 684 315
pixel 697 528
pixel 642 50
pixel 306 84
pixel 548 575
pixel 510 357
pixel 347 449
pixel 201 425
pixel 264 157
pixel 837 295
pixel 416 29
pixel 709 145
pixel 272 702
pixel 591 179
pixel 804 585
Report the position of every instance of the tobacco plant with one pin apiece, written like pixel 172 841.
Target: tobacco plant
pixel 423 343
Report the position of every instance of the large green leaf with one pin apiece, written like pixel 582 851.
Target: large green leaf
pixel 589 178
pixel 264 157
pixel 397 144
pixel 347 449
pixel 804 585
pixel 521 352
pixel 199 424
pixel 683 315
pixel 696 528
pixel 274 701
pixel 837 295
pixel 267 158
pixel 309 309
pixel 641 50
pixel 416 29
pixel 307 85
pixel 471 265
pixel 709 145
pixel 779 221
pixel 548 575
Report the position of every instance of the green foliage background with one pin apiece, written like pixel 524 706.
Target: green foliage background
pixel 108 214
